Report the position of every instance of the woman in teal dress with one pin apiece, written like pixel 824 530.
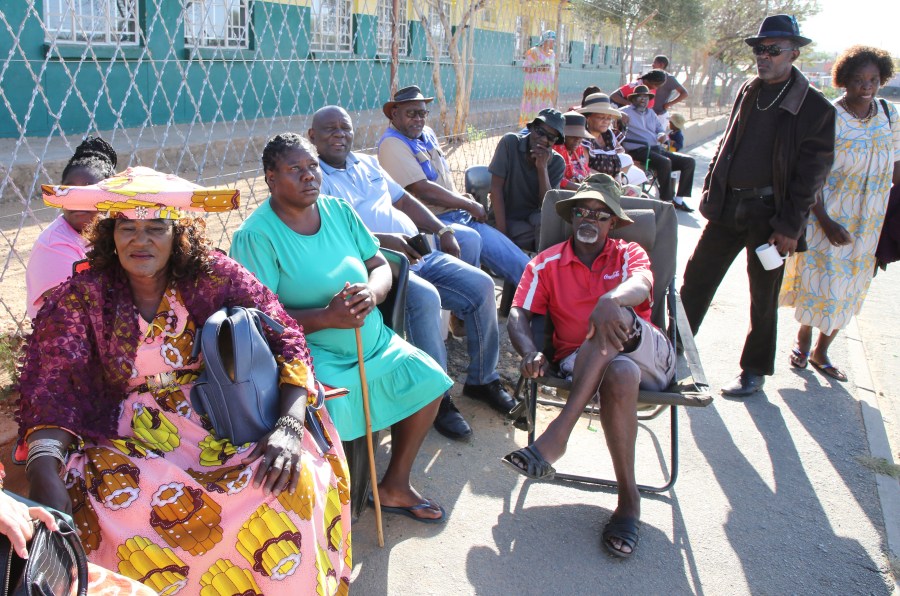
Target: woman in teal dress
pixel 316 254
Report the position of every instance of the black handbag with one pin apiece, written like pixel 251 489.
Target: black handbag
pixel 56 564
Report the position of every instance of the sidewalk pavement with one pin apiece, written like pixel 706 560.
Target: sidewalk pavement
pixel 771 497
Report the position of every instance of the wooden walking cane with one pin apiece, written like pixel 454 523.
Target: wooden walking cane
pixel 369 446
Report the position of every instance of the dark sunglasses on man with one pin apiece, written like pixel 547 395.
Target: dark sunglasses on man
pixel 772 50
pixel 547 134
pixel 592 214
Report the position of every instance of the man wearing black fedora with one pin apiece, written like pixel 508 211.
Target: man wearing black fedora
pixel 762 182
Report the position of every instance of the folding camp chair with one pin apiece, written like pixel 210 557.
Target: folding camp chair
pixel 393 310
pixel 655 229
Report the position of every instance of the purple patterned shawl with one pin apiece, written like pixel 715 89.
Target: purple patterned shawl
pixel 79 359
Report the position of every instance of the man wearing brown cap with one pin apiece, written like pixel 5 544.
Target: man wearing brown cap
pixel 409 151
pixel 762 182
pixel 597 292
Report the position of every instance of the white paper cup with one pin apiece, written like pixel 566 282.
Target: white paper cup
pixel 769 257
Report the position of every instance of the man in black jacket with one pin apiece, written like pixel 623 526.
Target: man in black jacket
pixel 770 165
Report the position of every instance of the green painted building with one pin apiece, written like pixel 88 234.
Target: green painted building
pixel 68 66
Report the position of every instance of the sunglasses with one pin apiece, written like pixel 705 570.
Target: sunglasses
pixel 416 113
pixel 594 214
pixel 772 50
pixel 547 134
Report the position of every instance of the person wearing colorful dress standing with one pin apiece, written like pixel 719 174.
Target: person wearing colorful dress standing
pixel 114 440
pixel 540 79
pixel 827 284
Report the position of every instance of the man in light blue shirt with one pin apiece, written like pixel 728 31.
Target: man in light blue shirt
pixel 643 138
pixel 438 280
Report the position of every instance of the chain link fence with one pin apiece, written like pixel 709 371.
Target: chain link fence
pixel 195 87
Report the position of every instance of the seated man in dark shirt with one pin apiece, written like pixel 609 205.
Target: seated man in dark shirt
pixel 523 169
pixel 597 291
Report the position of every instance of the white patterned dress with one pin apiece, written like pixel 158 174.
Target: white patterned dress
pixel 827 284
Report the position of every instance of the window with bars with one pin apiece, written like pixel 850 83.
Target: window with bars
pixel 588 40
pixel 95 21
pixel 217 23
pixel 332 30
pixel 436 28
pixel 385 11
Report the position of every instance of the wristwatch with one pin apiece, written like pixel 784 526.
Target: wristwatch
pixel 445 230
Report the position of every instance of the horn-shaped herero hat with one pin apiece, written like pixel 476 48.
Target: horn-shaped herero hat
pixel 143 193
pixel 411 93
pixel 779 26
pixel 601 187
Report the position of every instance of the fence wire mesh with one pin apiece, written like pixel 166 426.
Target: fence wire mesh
pixel 195 87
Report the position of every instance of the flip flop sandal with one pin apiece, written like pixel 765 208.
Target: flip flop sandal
pixel 626 530
pixel 410 511
pixel 799 359
pixel 830 370
pixel 529 462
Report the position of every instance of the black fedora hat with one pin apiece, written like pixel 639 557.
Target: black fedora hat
pixel 411 93
pixel 779 26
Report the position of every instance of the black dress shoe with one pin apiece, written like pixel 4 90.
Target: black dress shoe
pixel 683 207
pixel 493 394
pixel 744 384
pixel 450 423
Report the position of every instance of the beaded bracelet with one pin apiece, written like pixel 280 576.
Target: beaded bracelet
pixel 47 448
pixel 290 423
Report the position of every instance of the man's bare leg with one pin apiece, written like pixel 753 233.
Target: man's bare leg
pixel 618 415
pixel 590 365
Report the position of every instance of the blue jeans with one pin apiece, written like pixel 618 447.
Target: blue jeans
pixel 442 281
pixel 498 252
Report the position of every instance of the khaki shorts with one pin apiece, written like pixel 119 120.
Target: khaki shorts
pixel 654 356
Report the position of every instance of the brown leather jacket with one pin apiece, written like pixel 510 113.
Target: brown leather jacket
pixel 801 158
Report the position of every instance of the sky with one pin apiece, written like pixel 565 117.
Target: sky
pixel 841 24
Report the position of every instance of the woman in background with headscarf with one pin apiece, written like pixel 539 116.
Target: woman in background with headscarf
pixel 540 79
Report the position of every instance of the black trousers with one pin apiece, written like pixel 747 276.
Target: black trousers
pixel 745 225
pixel 664 163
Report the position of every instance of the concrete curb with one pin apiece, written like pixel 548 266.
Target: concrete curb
pixel 873 421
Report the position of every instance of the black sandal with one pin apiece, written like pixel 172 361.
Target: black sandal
pixel 626 530
pixel 529 462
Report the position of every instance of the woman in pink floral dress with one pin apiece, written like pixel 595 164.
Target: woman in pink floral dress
pixel 107 373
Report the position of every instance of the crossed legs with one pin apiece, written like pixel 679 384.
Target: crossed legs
pixel 618 383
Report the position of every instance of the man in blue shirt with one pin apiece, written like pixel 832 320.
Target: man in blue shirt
pixel 643 138
pixel 409 151
pixel 437 280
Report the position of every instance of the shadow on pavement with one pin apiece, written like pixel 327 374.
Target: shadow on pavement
pixel 779 529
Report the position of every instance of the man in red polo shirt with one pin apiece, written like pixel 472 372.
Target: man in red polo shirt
pixel 597 292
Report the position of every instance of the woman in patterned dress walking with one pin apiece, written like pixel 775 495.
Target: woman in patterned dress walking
pixel 827 284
